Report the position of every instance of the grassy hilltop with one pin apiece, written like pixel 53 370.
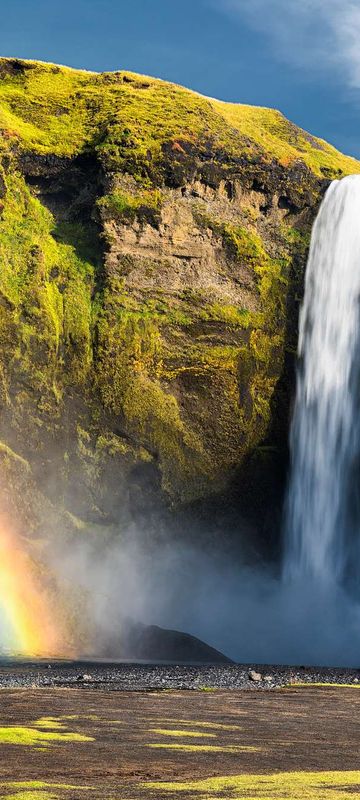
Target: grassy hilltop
pixel 56 110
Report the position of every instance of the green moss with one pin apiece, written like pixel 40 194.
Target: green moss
pixel 31 737
pixel 89 331
pixel 128 117
pixel 260 362
pixel 48 723
pixel 11 456
pixel 129 362
pixel 294 785
pixel 205 748
pixel 38 790
pixel 180 733
pixel 310 685
pixel 207 689
pixel 46 333
pixel 124 204
pixel 245 245
pixel 199 724
pixel 31 795
pixel 229 314
pixel 288 143
pixel 43 785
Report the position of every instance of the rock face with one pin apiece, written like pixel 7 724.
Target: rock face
pixel 152 247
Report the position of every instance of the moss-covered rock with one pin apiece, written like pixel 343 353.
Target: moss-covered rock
pixel 152 248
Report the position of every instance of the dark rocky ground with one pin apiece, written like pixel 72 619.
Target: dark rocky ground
pixel 145 677
pixel 299 743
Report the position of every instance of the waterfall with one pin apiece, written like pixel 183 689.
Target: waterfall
pixel 321 518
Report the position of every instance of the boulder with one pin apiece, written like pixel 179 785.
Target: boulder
pixel 152 643
pixel 255 676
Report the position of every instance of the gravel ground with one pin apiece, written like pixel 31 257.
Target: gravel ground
pixel 147 677
pixel 130 740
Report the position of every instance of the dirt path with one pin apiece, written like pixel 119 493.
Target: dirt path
pixel 114 745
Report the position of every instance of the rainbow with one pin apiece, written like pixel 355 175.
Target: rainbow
pixel 26 610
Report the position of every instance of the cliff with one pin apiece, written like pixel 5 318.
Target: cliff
pixel 152 249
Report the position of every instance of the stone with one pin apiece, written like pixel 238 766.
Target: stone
pixel 256 677
pixel 152 643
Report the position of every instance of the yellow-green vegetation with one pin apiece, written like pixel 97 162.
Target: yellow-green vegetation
pixel 32 795
pixel 43 785
pixel 92 717
pixel 193 723
pixel 52 109
pixel 262 360
pixel 50 733
pixel 280 786
pixel 284 140
pixel 309 685
pixel 179 733
pixel 206 748
pixel 206 689
pixel 259 363
pixel 47 289
pixel 37 790
pixel 122 204
pixel 129 382
pixel 223 312
pixel 142 314
pixel 49 723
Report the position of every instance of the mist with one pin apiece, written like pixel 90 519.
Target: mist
pixel 245 610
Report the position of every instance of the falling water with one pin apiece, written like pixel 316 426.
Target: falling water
pixel 321 515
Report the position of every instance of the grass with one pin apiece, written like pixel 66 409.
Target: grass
pixel 37 790
pixel 206 748
pixel 195 723
pixel 32 795
pixel 128 117
pixel 178 733
pixel 121 204
pixel 32 737
pixel 43 785
pixel 280 786
pixel 284 140
pixel 309 685
pixel 48 723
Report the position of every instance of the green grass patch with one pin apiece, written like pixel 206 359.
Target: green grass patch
pixel 181 734
pixel 128 117
pixel 31 737
pixel 197 724
pixel 32 795
pixel 206 748
pixel 124 204
pixel 38 790
pixel 44 785
pixel 48 723
pixel 310 685
pixel 280 786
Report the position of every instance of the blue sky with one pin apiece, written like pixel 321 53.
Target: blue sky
pixel 301 56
